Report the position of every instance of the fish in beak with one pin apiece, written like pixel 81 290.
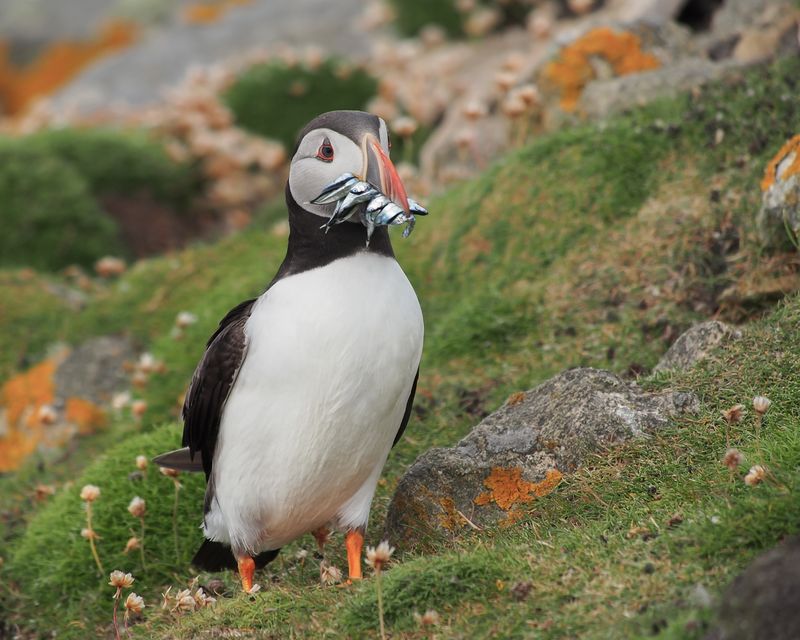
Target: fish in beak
pixel 379 187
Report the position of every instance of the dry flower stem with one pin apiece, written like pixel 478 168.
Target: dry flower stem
pixel 380 602
pixel 377 558
pixel 91 538
pixel 114 615
pixel 175 518
pixel 141 544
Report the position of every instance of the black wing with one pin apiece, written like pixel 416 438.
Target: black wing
pixel 212 382
pixel 407 414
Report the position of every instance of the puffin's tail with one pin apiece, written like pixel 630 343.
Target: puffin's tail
pixel 215 556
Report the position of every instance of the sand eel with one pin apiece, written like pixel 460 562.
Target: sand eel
pixel 302 392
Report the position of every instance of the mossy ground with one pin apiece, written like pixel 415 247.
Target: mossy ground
pixel 276 100
pixel 593 246
pixel 54 186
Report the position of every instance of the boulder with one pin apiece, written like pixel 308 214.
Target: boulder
pixel 95 369
pixel 761 603
pixel 520 452
pixel 603 98
pixel 778 220
pixel 695 344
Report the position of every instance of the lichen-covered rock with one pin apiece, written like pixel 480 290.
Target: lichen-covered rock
pixel 778 220
pixel 43 408
pixel 762 602
pixel 520 452
pixel 606 52
pixel 695 344
pixel 95 369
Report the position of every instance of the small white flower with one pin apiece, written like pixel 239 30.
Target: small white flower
pixel 428 619
pixel 184 319
pixel 137 507
pixel 184 600
pixel 147 362
pixel 202 599
pixel 90 493
pixel 328 573
pixel 133 604
pixel 755 476
pixel 733 458
pixel 378 557
pixel 734 414
pixel 120 580
pixel 761 404
pixel 46 414
pixel 138 407
pixel 120 400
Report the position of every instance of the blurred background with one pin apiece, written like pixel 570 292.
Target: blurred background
pixel 175 118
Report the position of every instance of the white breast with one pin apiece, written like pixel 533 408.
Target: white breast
pixel 332 354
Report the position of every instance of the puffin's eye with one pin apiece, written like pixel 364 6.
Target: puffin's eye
pixel 325 151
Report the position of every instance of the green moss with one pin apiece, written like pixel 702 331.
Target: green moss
pixel 47 212
pixel 439 583
pixel 276 100
pixel 53 566
pixel 53 184
pixel 122 163
pixel 413 16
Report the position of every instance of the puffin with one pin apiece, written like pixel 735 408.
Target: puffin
pixel 302 392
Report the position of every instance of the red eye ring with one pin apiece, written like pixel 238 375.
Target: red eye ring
pixel 325 151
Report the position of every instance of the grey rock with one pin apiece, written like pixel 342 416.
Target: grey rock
pixel 779 216
pixel 141 74
pixel 46 20
pixel 734 15
pixel 761 603
pixel 750 31
pixel 603 98
pixel 95 369
pixel 695 344
pixel 650 11
pixel 520 451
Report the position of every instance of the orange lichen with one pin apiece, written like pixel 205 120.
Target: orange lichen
pixel 573 70
pixel 57 64
pixel 22 397
pixel 449 518
pixel 792 146
pixel 209 12
pixel 84 414
pixel 507 487
pixel 515 398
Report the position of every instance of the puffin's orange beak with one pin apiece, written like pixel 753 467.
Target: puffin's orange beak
pixel 390 183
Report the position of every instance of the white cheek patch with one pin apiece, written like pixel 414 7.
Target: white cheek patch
pixel 309 175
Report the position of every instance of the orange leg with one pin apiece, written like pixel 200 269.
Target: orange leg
pixel 354 541
pixel 247 567
pixel 321 535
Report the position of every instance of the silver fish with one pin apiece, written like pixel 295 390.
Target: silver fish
pixel 416 208
pixel 336 189
pixel 387 214
pixel 348 192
